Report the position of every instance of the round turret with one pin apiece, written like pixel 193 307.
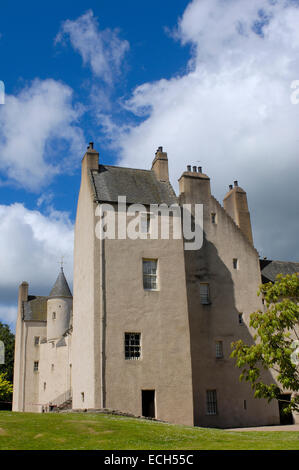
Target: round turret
pixel 59 308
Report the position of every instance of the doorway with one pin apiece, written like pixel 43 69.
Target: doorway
pixel 285 418
pixel 148 403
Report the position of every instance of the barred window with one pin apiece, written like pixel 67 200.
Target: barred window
pixel 219 349
pixel 35 366
pixel 132 346
pixel 204 293
pixel 212 402
pixel 150 274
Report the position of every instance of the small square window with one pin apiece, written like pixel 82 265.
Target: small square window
pixel 219 349
pixel 213 218
pixel 204 290
pixel 132 346
pixel 145 222
pixel 150 281
pixel 35 366
pixel 235 263
pixel 211 402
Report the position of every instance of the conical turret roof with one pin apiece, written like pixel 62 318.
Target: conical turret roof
pixel 61 287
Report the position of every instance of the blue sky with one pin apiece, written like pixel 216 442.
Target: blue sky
pixel 209 80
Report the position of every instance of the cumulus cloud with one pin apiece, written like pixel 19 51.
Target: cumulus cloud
pixel 231 110
pixel 31 245
pixel 102 50
pixel 39 133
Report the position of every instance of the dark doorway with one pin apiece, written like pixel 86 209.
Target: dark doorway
pixel 148 403
pixel 285 418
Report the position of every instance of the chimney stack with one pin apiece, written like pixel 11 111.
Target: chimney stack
pixel 235 204
pixel 160 165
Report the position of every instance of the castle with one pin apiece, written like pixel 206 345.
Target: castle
pixel 149 328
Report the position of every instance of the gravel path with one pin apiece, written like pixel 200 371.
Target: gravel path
pixel 291 427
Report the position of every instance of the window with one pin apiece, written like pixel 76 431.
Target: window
pixel 145 222
pixel 219 349
pixel 52 366
pixel 204 293
pixel 240 317
pixel 150 274
pixel 36 340
pixel 35 366
pixel 235 263
pixel 132 346
pixel 82 396
pixel 45 385
pixel 212 402
pixel 213 218
pixel 54 315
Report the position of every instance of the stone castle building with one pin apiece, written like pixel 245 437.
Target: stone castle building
pixel 149 328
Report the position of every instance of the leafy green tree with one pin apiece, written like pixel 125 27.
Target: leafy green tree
pixel 276 344
pixel 5 388
pixel 8 339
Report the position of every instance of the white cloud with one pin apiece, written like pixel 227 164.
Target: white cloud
pixel 231 110
pixel 39 133
pixel 102 50
pixel 31 245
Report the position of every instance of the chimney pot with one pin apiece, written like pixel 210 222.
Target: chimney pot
pixel 236 183
pixel 188 167
pixel 200 169
pixel 160 149
pixel 195 169
pixel 230 187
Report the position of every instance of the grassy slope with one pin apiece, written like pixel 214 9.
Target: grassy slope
pixel 30 431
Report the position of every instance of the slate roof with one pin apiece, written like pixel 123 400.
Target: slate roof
pixel 270 269
pixel 35 309
pixel 61 287
pixel 139 186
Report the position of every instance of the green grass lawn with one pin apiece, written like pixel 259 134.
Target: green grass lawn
pixel 86 431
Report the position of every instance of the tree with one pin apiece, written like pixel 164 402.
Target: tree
pixel 8 339
pixel 5 388
pixel 276 344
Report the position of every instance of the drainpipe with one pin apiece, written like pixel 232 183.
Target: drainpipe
pixel 104 313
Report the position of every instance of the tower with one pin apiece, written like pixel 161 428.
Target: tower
pixel 59 308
